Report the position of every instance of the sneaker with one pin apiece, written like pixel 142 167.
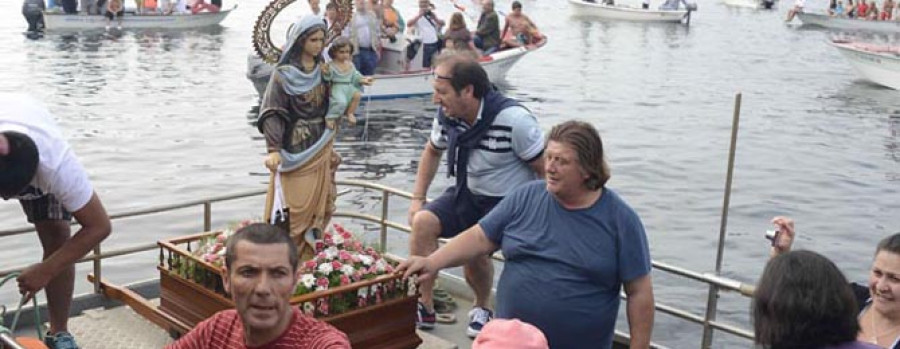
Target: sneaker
pixel 478 317
pixel 61 340
pixel 424 319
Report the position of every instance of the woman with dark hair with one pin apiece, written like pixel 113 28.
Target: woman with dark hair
pixel 878 303
pixel 300 146
pixel 804 302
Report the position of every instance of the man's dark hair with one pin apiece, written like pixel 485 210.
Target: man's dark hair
pixel 18 167
pixel 585 140
pixel 803 302
pixel 465 71
pixel 261 233
pixel 516 5
pixel 331 6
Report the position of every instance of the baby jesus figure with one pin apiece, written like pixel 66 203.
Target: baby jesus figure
pixel 345 81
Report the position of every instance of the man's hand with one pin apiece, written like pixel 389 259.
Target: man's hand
pixel 351 120
pixel 785 237
pixel 273 160
pixel 33 279
pixel 416 265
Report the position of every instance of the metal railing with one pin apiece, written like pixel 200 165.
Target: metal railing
pixel 97 256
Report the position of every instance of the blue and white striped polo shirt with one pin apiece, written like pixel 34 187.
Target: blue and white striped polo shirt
pixel 500 163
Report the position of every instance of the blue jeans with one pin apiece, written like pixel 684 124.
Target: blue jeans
pixel 428 52
pixel 366 61
pixel 479 43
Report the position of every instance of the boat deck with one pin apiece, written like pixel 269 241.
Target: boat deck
pixel 121 327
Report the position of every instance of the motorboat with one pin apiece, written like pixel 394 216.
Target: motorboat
pixel 753 4
pixel 59 21
pixel 874 62
pixel 394 77
pixel 627 13
pixel 850 24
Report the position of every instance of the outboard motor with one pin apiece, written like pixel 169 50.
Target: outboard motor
pixel 33 10
pixel 691 6
pixel 768 4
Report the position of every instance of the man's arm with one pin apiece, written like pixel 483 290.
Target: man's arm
pixel 415 19
pixel 95 227
pixel 428 165
pixel 469 244
pixel 639 308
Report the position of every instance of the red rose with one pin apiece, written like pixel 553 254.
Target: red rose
pixel 344 256
pixel 336 265
pixel 345 280
pixel 322 282
pixel 310 265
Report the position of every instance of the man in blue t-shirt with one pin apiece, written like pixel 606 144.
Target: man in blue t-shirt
pixel 570 245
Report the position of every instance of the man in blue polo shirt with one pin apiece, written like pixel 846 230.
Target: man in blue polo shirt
pixel 571 244
pixel 494 145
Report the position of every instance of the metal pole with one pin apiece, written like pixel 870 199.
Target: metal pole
pixel 6 338
pixel 97 269
pixel 713 298
pixel 207 216
pixel 385 196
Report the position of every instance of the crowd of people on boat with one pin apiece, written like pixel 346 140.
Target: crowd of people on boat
pixel 428 32
pixel 867 10
pixel 33 10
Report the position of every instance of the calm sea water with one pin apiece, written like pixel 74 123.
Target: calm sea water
pixel 164 117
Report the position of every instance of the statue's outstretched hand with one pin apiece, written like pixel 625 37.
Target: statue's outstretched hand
pixel 273 160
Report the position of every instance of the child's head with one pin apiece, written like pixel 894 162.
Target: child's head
pixel 340 44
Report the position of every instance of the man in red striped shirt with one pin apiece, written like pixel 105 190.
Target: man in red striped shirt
pixel 260 274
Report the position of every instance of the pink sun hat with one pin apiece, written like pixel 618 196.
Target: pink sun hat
pixel 510 334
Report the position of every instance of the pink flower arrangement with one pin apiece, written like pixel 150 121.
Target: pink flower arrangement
pixel 342 260
pixel 212 250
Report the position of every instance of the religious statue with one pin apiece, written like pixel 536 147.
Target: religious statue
pixel 300 146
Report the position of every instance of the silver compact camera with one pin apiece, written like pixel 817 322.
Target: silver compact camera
pixel 772 235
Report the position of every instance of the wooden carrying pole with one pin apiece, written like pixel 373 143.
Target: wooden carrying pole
pixel 713 298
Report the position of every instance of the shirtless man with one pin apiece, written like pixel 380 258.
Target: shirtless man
pixel 519 29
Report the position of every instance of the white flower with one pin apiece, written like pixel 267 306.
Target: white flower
pixel 337 239
pixel 325 268
pixel 362 292
pixel 308 281
pixel 331 252
pixel 379 266
pixel 309 308
pixel 366 260
pixel 348 269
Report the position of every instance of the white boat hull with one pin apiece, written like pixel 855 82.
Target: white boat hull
pixel 400 85
pixel 878 64
pixel 752 4
pixel 625 13
pixel 55 21
pixel 844 23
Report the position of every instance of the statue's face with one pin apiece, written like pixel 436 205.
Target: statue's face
pixel 314 43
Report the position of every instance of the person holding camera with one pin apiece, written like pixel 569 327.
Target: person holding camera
pixel 878 301
pixel 428 25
